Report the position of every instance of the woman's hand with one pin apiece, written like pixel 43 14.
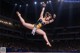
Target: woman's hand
pixel 18 13
pixel 44 5
pixel 51 21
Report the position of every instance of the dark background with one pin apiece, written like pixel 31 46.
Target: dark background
pixel 65 27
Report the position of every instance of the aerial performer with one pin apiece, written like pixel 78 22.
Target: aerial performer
pixel 43 20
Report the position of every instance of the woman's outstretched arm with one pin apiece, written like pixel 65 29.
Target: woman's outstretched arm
pixel 20 17
pixel 43 9
pixel 50 21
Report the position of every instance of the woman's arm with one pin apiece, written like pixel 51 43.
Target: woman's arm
pixel 42 12
pixel 50 21
pixel 21 19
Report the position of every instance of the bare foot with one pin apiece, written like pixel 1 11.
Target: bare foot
pixel 49 44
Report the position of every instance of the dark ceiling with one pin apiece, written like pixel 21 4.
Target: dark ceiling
pixel 68 14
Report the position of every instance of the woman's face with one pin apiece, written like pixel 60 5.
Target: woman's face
pixel 48 18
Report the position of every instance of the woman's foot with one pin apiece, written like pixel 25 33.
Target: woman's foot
pixel 49 44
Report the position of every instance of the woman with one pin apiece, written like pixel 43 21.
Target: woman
pixel 41 21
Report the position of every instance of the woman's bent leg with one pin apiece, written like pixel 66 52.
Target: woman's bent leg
pixel 41 32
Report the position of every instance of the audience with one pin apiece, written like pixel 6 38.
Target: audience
pixel 57 46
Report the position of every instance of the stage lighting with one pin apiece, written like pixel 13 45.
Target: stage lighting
pixel 52 40
pixel 49 1
pixel 15 4
pixel 6 22
pixel 26 4
pixel 60 0
pixel 1 21
pixel 74 1
pixel 19 5
pixel 35 2
pixel 41 3
pixel 71 0
pixel 10 23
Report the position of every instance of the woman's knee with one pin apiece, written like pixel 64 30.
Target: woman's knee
pixel 44 34
pixel 41 32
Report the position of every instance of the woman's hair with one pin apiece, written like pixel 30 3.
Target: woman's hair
pixel 47 14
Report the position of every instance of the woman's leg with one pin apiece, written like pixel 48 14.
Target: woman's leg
pixel 28 25
pixel 41 32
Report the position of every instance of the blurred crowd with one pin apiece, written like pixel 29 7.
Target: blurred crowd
pixel 70 45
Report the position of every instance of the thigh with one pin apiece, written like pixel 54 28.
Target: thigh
pixel 29 26
pixel 40 31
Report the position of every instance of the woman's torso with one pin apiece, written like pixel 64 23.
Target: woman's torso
pixel 40 23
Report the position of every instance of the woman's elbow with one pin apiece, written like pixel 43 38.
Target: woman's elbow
pixel 23 23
